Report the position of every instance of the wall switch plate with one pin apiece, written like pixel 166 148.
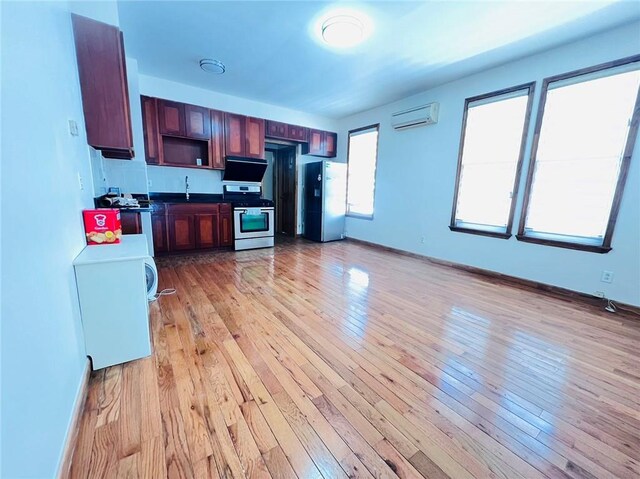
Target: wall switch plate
pixel 73 128
pixel 607 277
pixel 422 239
pixel 80 182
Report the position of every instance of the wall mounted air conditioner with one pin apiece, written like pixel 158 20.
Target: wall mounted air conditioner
pixel 416 116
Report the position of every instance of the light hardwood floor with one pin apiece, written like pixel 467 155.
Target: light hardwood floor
pixel 341 360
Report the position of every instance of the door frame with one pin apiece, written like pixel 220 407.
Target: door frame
pixel 295 147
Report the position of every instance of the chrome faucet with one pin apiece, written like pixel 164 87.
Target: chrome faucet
pixel 186 187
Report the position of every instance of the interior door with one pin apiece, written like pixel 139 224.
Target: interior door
pixel 285 164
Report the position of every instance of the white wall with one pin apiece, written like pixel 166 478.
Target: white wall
pixel 417 169
pixel 43 355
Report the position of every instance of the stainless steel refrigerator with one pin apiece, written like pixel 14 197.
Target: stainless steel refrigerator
pixel 325 200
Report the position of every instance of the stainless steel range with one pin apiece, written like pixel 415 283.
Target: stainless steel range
pixel 253 216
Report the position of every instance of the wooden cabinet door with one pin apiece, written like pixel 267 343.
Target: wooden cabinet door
pixel 297 133
pixel 207 230
pixel 159 231
pixel 330 144
pixel 226 225
pixel 130 221
pixel 254 138
pixel 197 122
pixel 234 135
pixel 181 232
pixel 316 143
pixel 216 144
pixel 171 118
pixel 103 81
pixel 276 129
pixel 150 129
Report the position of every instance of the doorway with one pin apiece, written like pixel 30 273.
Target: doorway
pixel 284 192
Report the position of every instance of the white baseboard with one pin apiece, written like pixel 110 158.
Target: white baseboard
pixel 74 425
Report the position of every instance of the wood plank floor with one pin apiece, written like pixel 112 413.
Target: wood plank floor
pixel 342 360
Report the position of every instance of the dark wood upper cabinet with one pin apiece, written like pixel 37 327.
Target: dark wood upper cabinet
pixel 316 143
pixel 152 148
pixel 216 145
pixel 171 118
pixel 330 144
pixel 234 135
pixel 198 122
pixel 321 143
pixel 103 80
pixel 276 129
pixel 284 131
pixel 298 133
pixel 254 138
pixel 243 136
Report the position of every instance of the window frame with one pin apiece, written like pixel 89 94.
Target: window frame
pixel 530 86
pixel 622 175
pixel 375 126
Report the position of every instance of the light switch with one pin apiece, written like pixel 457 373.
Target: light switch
pixel 73 128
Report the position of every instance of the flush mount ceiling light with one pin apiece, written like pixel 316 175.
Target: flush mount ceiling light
pixel 344 29
pixel 212 66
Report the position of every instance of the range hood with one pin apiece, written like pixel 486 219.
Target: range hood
pixel 244 169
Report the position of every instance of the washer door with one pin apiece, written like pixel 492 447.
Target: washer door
pixel 151 274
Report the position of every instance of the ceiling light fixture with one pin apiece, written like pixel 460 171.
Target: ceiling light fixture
pixel 344 29
pixel 212 66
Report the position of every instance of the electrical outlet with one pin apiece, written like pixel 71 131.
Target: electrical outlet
pixel 607 277
pixel 422 239
pixel 80 182
pixel 599 294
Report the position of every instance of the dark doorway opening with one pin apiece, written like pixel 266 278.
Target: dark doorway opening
pixel 284 188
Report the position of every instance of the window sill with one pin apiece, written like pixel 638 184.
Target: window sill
pixel 360 217
pixel 564 244
pixel 493 234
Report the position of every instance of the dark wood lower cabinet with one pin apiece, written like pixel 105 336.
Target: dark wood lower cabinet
pixel 226 226
pixel 159 231
pixel 192 226
pixel 207 235
pixel 182 234
pixel 130 221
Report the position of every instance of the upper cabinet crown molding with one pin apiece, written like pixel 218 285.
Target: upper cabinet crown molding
pixel 103 80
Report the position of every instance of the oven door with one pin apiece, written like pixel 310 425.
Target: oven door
pixel 253 222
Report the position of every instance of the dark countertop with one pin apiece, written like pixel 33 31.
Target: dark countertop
pixel 181 198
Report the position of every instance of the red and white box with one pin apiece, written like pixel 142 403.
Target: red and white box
pixel 102 226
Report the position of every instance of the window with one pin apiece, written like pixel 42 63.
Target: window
pixel 585 134
pixel 491 148
pixel 362 158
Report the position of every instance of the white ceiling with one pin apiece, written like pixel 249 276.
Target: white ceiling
pixel 272 55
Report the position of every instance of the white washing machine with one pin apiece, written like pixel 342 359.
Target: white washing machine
pixel 114 285
pixel 151 276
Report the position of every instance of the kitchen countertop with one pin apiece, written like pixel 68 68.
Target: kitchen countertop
pixel 181 198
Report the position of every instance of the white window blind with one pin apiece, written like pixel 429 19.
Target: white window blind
pixel 363 155
pixel 582 139
pixel 492 141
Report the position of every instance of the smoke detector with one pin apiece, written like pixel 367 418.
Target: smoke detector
pixel 212 66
